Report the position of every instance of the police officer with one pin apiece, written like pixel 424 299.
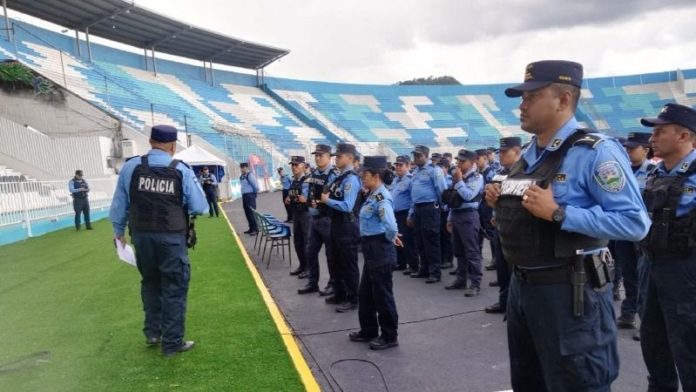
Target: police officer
pixel 510 150
pixel 463 223
pixel 668 324
pixel 492 161
pixel 320 222
pixel 210 184
pixel 378 236
pixel 486 212
pixel 626 253
pixel 79 189
pixel 154 196
pixel 570 191
pixel 285 182
pixel 445 236
pixel 435 158
pixel 298 202
pixel 250 188
pixel 406 255
pixel 340 199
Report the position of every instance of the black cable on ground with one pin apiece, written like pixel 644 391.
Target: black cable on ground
pixel 384 380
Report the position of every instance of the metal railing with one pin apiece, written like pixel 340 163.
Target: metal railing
pixel 24 202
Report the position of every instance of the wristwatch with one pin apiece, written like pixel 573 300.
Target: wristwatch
pixel 558 215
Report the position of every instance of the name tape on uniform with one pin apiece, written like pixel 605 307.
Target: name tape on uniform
pixel 512 187
pixel 156 185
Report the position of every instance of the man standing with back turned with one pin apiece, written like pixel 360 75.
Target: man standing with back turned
pixel 154 196
pixel 569 193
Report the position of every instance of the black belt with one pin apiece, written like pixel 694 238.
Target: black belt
pixel 380 237
pixel 426 203
pixel 551 275
pixel 463 210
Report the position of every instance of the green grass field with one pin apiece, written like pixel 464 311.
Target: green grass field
pixel 71 320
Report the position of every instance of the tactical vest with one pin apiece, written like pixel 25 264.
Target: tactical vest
pixel 156 199
pixel 336 193
pixel 485 174
pixel 318 182
pixel 79 184
pixel 670 237
pixel 453 199
pixel 207 187
pixel 294 192
pixel 529 241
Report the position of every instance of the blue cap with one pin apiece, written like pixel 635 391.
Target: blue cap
pixel 466 155
pixel 163 133
pixel 447 155
pixel 542 73
pixel 322 149
pixel 510 142
pixel 436 155
pixel 297 159
pixel 244 164
pixel 482 152
pixel 375 162
pixel 421 149
pixel 673 113
pixel 636 139
pixel 345 148
pixel 445 162
pixel 403 159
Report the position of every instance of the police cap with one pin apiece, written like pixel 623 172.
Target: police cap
pixel 636 139
pixel 297 159
pixel 510 142
pixel 375 162
pixel 421 149
pixel 403 159
pixel 322 149
pixel 673 113
pixel 542 73
pixel 466 155
pixel 163 133
pixel 345 148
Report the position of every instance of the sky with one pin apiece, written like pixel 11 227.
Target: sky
pixel 476 41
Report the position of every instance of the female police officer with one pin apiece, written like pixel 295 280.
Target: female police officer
pixel 378 235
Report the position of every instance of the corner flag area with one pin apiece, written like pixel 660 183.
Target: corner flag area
pixel 71 320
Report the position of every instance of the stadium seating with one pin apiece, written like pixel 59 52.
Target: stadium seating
pixel 291 115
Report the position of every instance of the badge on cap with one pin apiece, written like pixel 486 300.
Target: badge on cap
pixel 610 177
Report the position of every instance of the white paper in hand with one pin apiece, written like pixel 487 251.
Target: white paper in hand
pixel 125 253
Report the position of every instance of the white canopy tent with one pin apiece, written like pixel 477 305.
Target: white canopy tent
pixel 196 156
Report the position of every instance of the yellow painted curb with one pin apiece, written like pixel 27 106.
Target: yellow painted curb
pixel 298 359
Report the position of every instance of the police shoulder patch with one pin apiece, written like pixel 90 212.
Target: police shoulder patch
pixel 379 197
pixel 610 176
pixel 381 212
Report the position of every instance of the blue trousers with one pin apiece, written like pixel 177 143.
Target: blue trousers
pixel 162 260
pixel 81 207
pixel 300 231
pixel 502 271
pixel 249 204
pixel 344 239
pixel 487 229
pixel 376 305
pixel 627 260
pixel 427 233
pixel 446 246
pixel 211 198
pixel 319 234
pixel 406 256
pixel 466 247
pixel 668 325
pixel 550 349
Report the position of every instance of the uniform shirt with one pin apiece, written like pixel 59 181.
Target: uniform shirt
pixel 249 184
pixel 496 166
pixel 332 176
pixel 427 185
pixel 595 185
pixel 350 186
pixel 285 180
pixel 193 200
pixel 641 173
pixel 687 202
pixel 468 189
pixel 73 189
pixel 488 173
pixel 211 177
pixel 377 215
pixel 401 192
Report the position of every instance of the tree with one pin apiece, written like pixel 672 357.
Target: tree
pixel 431 81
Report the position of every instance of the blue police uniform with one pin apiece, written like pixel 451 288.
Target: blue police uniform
pixel 465 221
pixel 343 193
pixel 301 220
pixel 210 184
pixel 406 256
pixel 250 188
pixel 554 343
pixel 378 229
pixel 427 185
pixel 285 181
pixel 78 190
pixel 486 213
pixel 668 322
pixel 320 226
pixel 159 236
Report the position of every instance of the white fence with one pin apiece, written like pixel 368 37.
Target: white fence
pixel 27 201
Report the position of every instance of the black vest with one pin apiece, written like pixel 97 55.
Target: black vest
pixel 336 193
pixel 79 184
pixel 156 199
pixel 528 241
pixel 294 192
pixel 207 186
pixel 317 183
pixel 670 237
pixel 453 199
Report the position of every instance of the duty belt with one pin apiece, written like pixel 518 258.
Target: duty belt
pixel 550 275
pixel 463 210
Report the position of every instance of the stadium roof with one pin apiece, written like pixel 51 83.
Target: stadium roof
pixel 133 25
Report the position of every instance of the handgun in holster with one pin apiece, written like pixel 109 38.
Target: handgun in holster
pixel 600 269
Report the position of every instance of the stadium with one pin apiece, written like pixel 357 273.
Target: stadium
pixel 70 311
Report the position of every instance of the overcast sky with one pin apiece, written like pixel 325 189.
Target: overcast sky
pixel 476 41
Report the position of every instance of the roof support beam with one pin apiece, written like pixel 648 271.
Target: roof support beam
pixel 89 46
pixel 154 61
pixel 223 51
pixel 8 28
pixel 77 42
pixel 109 16
pixel 171 36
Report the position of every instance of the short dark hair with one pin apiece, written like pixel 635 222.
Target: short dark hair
pixel 560 88
pixel 385 174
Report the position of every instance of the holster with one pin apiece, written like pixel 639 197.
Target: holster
pixel 191 238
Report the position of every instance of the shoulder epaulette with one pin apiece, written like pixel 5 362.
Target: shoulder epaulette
pixel 134 156
pixel 591 140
